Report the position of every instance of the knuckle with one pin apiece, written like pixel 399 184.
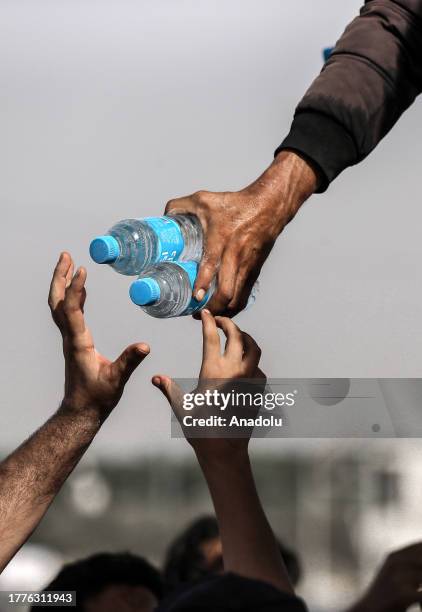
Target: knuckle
pixel 77 346
pixel 241 304
pixel 201 195
pixel 69 309
pixel 170 205
pixel 225 294
pixel 202 199
pixel 230 311
pixel 210 260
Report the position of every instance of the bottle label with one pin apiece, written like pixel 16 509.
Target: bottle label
pixel 170 239
pixel 191 268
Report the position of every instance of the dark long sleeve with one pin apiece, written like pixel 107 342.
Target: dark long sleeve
pixel 373 75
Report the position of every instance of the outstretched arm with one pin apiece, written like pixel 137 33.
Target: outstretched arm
pixel 249 546
pixel 34 473
pixel 371 78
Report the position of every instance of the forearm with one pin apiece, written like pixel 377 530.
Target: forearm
pixel 249 546
pixel 34 473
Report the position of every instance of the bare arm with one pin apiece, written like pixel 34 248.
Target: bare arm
pixel 249 545
pixel 33 474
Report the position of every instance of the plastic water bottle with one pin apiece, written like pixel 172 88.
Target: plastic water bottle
pixel 132 244
pixel 165 290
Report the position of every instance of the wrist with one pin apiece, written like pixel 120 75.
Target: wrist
pixel 229 461
pixel 299 177
pixel 288 182
pixel 77 407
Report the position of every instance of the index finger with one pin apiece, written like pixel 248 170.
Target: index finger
pixel 211 348
pixel 180 206
pixel 234 342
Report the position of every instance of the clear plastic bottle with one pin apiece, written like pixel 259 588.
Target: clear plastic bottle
pixel 165 290
pixel 132 244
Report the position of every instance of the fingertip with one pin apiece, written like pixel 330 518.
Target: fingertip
pixel 205 315
pixel 199 295
pixel 156 381
pixel 143 348
pixel 63 263
pixel 80 276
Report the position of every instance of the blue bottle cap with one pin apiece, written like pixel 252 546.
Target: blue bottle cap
pixel 144 291
pixel 104 249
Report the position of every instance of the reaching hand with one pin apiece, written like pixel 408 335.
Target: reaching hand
pixel 240 228
pixel 397 584
pixel 92 381
pixel 249 546
pixel 238 362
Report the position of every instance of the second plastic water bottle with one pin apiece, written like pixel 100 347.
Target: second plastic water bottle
pixel 133 244
pixel 165 290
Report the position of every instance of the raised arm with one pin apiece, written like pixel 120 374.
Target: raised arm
pixel 249 546
pixel 34 473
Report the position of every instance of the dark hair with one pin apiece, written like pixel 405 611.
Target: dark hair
pixel 184 560
pixel 92 575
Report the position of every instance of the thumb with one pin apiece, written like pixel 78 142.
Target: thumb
pixel 171 390
pixel 129 360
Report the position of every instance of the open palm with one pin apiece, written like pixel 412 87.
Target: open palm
pixel 91 380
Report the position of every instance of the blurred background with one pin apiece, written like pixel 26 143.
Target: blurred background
pixel 110 108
